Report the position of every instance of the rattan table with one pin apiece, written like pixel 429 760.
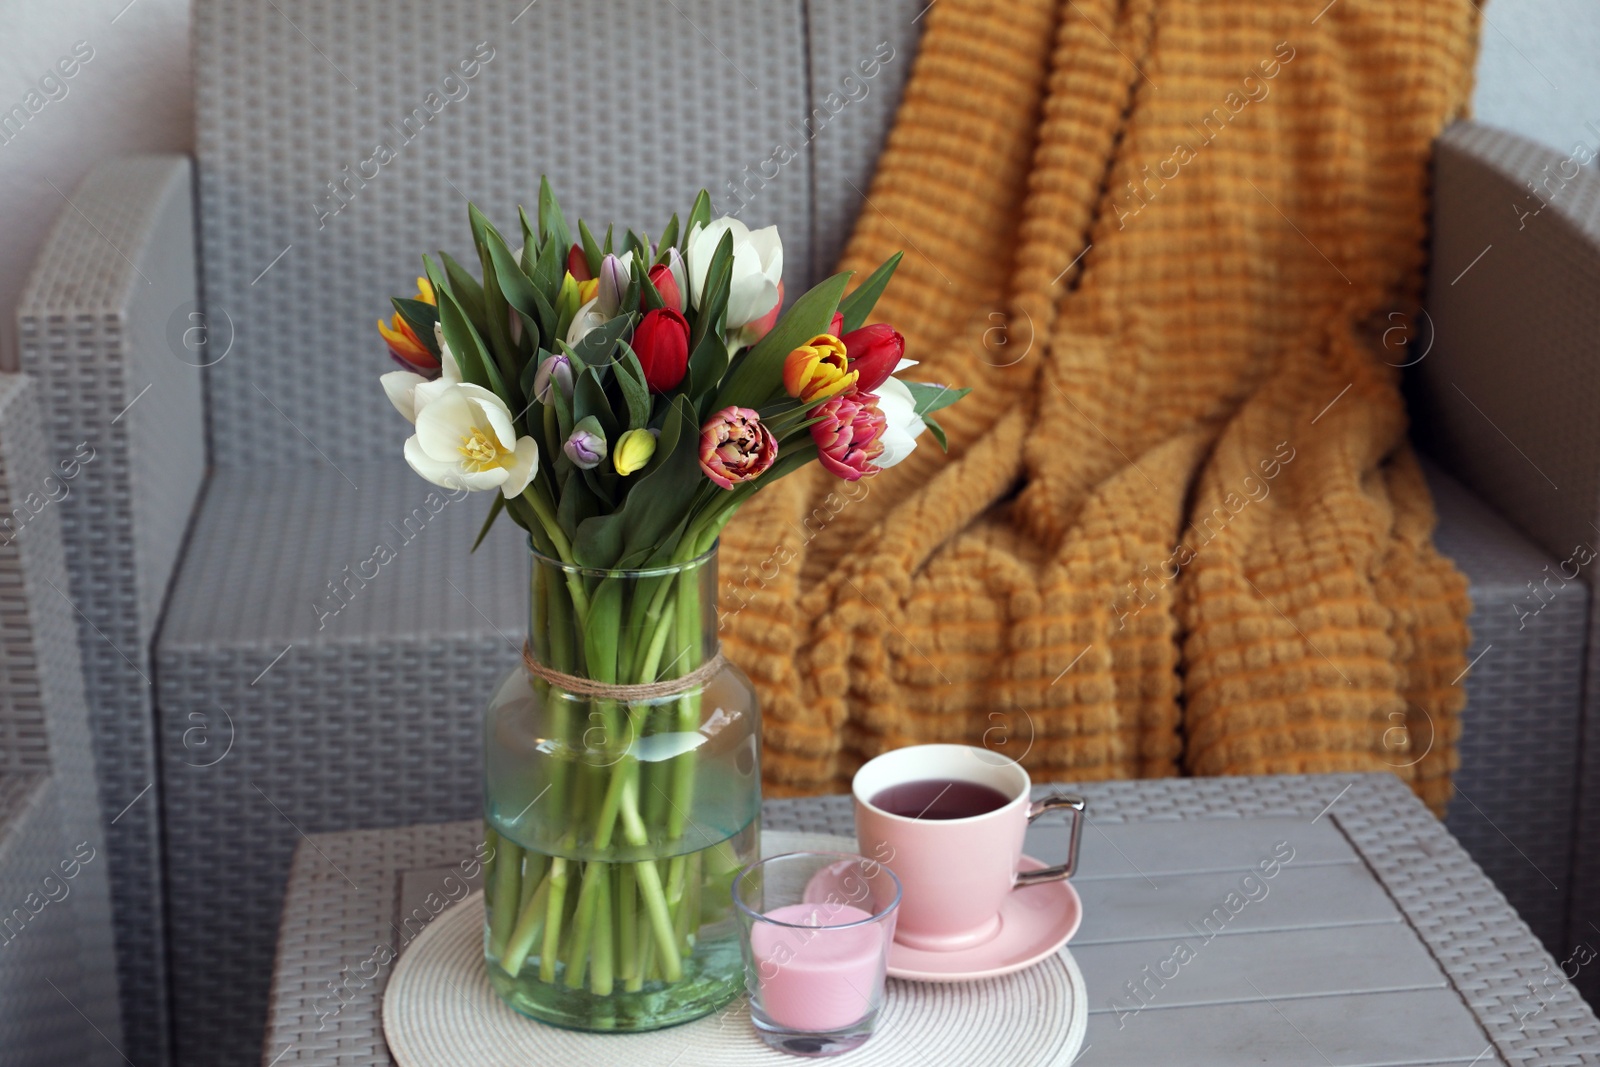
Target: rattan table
pixel 1315 920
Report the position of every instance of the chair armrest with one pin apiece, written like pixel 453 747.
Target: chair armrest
pixel 1505 399
pixel 110 326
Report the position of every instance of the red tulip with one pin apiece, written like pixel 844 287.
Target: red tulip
pixel 874 351
pixel 836 327
pixel 661 277
pixel 578 264
pixel 661 341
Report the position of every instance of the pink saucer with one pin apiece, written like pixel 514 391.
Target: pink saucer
pixel 1034 923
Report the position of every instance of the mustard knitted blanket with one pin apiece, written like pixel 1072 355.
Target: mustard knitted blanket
pixel 1172 247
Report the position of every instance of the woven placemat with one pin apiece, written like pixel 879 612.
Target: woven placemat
pixel 440 1011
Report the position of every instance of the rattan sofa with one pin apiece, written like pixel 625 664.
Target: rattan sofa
pixel 58 981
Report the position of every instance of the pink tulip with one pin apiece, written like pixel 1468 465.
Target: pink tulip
pixel 736 447
pixel 850 436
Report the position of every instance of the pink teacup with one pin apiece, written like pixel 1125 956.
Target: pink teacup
pixel 955 869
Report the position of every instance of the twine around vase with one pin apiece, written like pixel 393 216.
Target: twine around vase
pixel 626 694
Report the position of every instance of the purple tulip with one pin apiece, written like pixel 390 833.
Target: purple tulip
pixel 586 447
pixel 556 369
pixel 614 279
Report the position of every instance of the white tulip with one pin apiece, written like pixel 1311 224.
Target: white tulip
pixel 757 268
pixel 587 318
pixel 902 424
pixel 465 439
pixel 409 392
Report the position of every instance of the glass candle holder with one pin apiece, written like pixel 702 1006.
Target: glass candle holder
pixel 816 927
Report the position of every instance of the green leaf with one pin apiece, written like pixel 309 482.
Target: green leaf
pixel 605 246
pixel 859 304
pixel 759 376
pixel 548 319
pixel 552 223
pixel 589 401
pixel 630 296
pixel 602 481
pixel 699 215
pixel 927 397
pixel 496 506
pixel 649 295
pixel 420 317
pixel 598 540
pixel 438 276
pixel 635 393
pixel 714 299
pixel 596 347
pixel 552 435
pixel 669 237
pixel 659 501
pixel 591 249
pixel 564 419
pixel 573 493
pixel 937 431
pixel 566 304
pixel 528 345
pixel 723 507
pixel 466 289
pixel 708 353
pixel 549 270
pixel 513 284
pixel 530 243
pixel 519 292
pixel 476 365
pixel 654 508
pixel 601 629
pixel 496 325
pixel 708 362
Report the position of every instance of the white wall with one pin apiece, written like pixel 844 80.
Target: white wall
pixel 1539 70
pixel 132 96
pixel 1539 74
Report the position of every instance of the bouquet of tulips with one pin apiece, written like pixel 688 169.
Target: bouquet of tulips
pixel 621 398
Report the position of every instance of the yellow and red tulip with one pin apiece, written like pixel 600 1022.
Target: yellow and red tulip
pixel 818 369
pixel 405 346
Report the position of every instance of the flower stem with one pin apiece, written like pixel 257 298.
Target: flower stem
pixel 563 547
pixel 600 958
pixel 578 954
pixel 554 905
pixel 529 925
pixel 629 960
pixel 650 890
pixel 507 894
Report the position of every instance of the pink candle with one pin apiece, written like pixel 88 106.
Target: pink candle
pixel 815 977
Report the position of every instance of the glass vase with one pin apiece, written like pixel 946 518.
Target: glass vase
pixel 619 817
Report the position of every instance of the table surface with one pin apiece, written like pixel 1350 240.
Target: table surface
pixel 1321 920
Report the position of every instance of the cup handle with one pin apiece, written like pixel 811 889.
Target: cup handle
pixel 1055 803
